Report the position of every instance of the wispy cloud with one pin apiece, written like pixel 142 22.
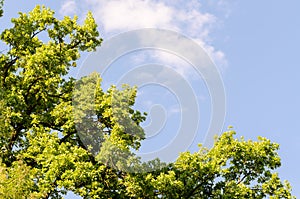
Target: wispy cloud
pixel 186 17
pixel 69 7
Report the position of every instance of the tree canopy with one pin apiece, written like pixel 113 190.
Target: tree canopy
pixel 44 155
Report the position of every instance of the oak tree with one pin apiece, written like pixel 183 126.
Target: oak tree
pixel 58 134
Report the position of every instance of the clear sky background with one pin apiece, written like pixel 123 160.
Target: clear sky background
pixel 255 44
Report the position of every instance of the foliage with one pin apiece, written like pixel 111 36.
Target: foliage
pixel 231 169
pixel 59 135
pixel 1 9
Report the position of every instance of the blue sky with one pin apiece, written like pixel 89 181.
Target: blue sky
pixel 255 45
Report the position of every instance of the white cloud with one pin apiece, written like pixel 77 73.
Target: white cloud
pixel 177 63
pixel 186 17
pixel 217 56
pixel 128 14
pixel 69 7
pixel 123 15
